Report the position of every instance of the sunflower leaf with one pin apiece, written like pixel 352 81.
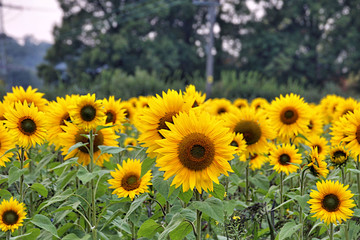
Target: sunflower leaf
pixel 181 231
pixel 175 221
pixel 44 223
pixel 288 230
pixel 76 145
pixel 15 174
pixel 40 189
pixel 149 228
pixel 110 149
pixel 147 165
pixel 213 207
pixel 29 235
pixel 219 191
pixel 186 196
pixel 84 175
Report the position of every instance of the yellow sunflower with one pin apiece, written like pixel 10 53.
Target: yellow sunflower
pixel 253 126
pixel 191 95
pixel 259 103
pixel 57 114
pixel 329 104
pixel 339 155
pixel 3 107
pixel 161 111
pixel 218 106
pixel 284 157
pixel 74 134
pixel 257 160
pixel 332 202
pixel 115 115
pixel 129 111
pixel 129 141
pixel 127 181
pixel 240 144
pixel 142 102
pixel 289 115
pixel 26 124
pixel 7 142
pixel 321 143
pixel 87 112
pixel 241 102
pixel 317 165
pixel 12 215
pixel 345 106
pixel 316 121
pixel 31 96
pixel 195 150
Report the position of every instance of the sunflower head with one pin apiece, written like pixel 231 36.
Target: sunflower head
pixel 12 214
pixel 339 155
pixel 7 142
pixel 130 142
pixel 331 202
pixel 127 180
pixel 241 103
pixel 115 115
pixel 30 95
pixel 317 164
pixel 284 157
pixel 193 96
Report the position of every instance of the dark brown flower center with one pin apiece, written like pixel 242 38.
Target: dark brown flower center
pixel 110 117
pixel 88 113
pixel 234 143
pixel 311 125
pixel 99 140
pixel 130 182
pixel 319 148
pixel 358 134
pixel 346 111
pixel 284 159
pixel 10 217
pixel 196 151
pixel 339 154
pixel 162 122
pixel 250 130
pixel 330 203
pixel 289 116
pixel 64 118
pixel 27 126
pixel 221 110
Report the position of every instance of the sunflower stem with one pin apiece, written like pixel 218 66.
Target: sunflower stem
pixel 93 193
pixel 247 183
pixel 8 235
pixel 198 217
pixel 21 187
pixel 358 178
pixel 343 175
pixel 133 232
pixel 302 184
pixel 281 194
pixel 331 235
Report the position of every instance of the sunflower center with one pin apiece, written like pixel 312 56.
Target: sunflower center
pixel 331 203
pixel 358 134
pixel 339 154
pixel 196 151
pixel 234 143
pixel 311 125
pixel 163 120
pixel 318 148
pixel 88 113
pixel 130 182
pixel 284 159
pixel 66 117
pixel 127 114
pixel 99 140
pixel 110 117
pixel 221 111
pixel 346 111
pixel 250 130
pixel 289 116
pixel 10 217
pixel 28 126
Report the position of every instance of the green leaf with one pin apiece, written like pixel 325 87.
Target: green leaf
pixel 64 227
pixel 84 175
pixel 76 145
pixel 136 204
pixel 175 221
pixel 288 230
pixel 315 226
pixel 302 200
pixel 65 163
pixel 29 235
pixel 44 223
pixel 43 162
pixel 284 203
pixel 15 174
pixel 40 189
pixel 65 178
pixel 354 170
pixel 59 197
pixel 186 196
pixel 260 181
pixel 161 185
pixel 102 127
pixel 110 149
pixel 230 205
pixel 147 165
pixel 72 236
pixel 213 207
pixel 219 191
pixel 5 194
pixel 181 231
pixel 149 228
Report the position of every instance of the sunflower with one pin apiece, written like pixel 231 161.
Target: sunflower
pixel 129 141
pixel 74 134
pixel 57 114
pixel 346 131
pixel 31 96
pixel 345 106
pixel 329 104
pixel 315 141
pixel 142 102
pixel 12 215
pixel 127 180
pixel 317 165
pixel 7 142
pixel 26 124
pixel 115 115
pixel 191 95
pixel 87 112
pixel 161 111
pixel 259 103
pixel 195 150
pixel 339 155
pixel 289 115
pixel 218 106
pixel 284 157
pixel 129 111
pixel 3 107
pixel 316 121
pixel 332 202
pixel 240 144
pixel 241 102
pixel 257 160
pixel 253 126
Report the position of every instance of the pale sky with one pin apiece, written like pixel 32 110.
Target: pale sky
pixel 37 18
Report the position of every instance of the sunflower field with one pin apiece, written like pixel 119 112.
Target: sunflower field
pixel 178 166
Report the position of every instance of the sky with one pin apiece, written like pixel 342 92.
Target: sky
pixel 36 17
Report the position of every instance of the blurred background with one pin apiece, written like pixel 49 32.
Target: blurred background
pixel 226 48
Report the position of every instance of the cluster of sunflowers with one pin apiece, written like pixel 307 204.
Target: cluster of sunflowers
pixel 192 142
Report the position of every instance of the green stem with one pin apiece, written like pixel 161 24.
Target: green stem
pixel 133 232
pixel 247 183
pixel 22 156
pixel 281 195
pixel 93 193
pixel 358 179
pixel 198 217
pixel 331 237
pixel 343 175
pixel 302 184
pixel 8 235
